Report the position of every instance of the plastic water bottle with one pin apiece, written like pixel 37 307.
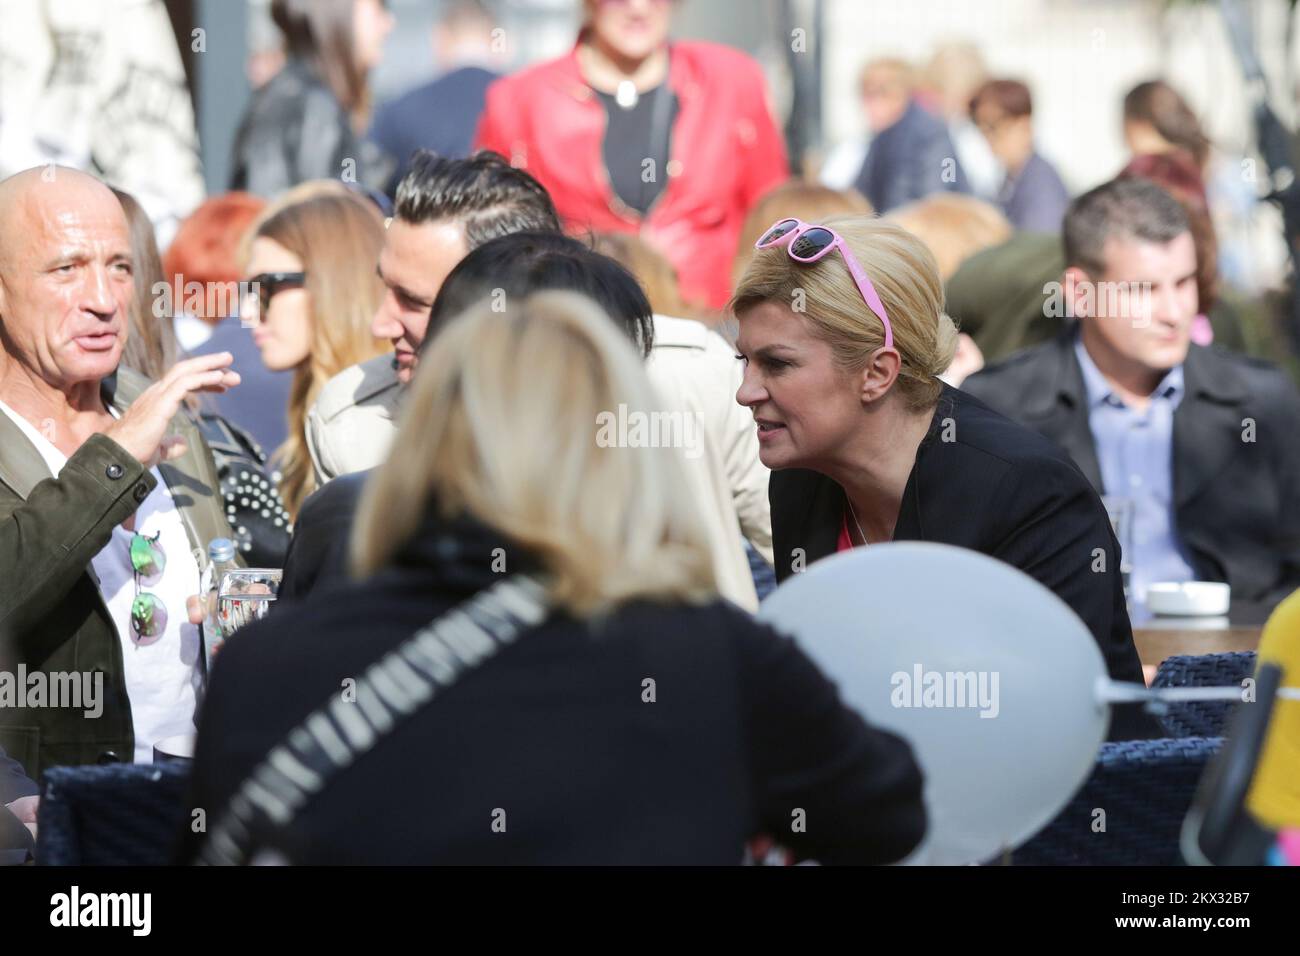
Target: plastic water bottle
pixel 221 558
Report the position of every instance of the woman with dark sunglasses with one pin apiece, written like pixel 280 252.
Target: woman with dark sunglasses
pixel 844 337
pixel 311 294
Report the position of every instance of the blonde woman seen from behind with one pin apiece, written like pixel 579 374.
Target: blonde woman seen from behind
pixel 644 721
pixel 599 501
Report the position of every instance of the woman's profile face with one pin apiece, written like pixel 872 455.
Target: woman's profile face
pixel 371 24
pixel 807 409
pixel 281 331
pixel 632 28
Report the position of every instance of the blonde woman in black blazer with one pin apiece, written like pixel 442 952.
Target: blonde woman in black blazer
pixel 844 337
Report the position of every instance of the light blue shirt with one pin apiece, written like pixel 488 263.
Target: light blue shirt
pixel 1135 452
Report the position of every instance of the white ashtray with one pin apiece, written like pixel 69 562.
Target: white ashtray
pixel 1189 598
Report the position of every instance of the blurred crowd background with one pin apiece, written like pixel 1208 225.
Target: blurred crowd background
pixel 102 85
pixel 337 179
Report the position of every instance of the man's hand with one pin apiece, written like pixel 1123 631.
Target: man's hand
pixel 24 808
pixel 142 429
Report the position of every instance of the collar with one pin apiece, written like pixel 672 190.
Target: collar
pixel 683 74
pixel 1215 376
pixel 1098 391
pixel 22 466
pixel 462 550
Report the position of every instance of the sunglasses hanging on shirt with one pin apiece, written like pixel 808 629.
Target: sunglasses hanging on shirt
pixel 148 615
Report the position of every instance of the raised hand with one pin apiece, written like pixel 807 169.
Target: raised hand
pixel 142 430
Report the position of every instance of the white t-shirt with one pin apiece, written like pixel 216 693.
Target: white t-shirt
pixel 161 678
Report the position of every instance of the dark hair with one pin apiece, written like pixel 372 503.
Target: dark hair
pixel 1133 208
pixel 320 33
pixel 1010 96
pixel 1158 103
pixel 1177 173
pixel 522 263
pixel 485 194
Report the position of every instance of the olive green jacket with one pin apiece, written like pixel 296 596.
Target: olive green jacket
pixel 52 617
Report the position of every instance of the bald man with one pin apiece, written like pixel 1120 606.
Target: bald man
pixel 108 494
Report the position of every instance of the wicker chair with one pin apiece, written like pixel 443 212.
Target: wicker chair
pixel 1145 788
pixel 1202 718
pixel 112 815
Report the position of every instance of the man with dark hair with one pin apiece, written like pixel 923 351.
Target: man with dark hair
pixel 1198 444
pixel 1032 196
pixel 445 208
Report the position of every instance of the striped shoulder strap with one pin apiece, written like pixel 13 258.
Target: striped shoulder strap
pixel 390 691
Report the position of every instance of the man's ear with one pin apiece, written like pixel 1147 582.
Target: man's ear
pixel 1080 291
pixel 879 374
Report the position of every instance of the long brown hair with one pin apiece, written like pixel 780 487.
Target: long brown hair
pixel 1157 103
pixel 151 341
pixel 320 32
pixel 338 237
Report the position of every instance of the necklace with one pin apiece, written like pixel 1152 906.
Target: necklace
pixel 627 95
pixel 856 521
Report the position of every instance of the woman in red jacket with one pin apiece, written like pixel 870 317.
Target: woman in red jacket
pixel 632 133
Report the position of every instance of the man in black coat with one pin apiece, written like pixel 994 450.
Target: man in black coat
pixel 318 551
pixel 1204 445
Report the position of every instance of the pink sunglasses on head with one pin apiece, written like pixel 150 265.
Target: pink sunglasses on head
pixel 808 244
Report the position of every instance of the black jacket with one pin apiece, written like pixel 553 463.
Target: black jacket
pixel 295 131
pixel 318 550
pixel 555 731
pixel 1237 501
pixel 982 482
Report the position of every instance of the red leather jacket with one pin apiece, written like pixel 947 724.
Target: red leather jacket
pixel 725 153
